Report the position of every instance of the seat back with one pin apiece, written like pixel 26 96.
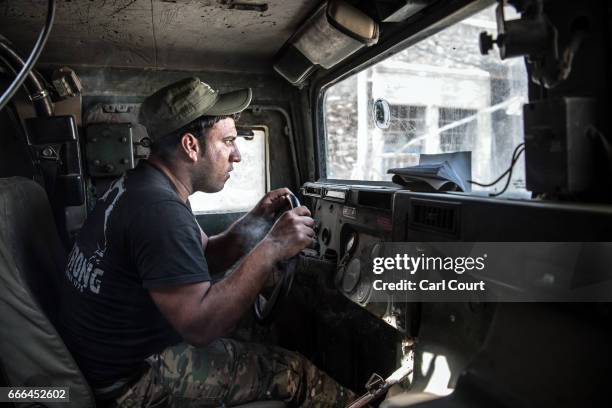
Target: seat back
pixel 31 263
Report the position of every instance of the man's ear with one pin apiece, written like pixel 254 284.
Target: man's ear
pixel 190 146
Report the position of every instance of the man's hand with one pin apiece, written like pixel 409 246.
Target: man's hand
pixel 272 203
pixel 226 248
pixel 292 232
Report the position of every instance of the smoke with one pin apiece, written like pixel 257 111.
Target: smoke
pixel 252 230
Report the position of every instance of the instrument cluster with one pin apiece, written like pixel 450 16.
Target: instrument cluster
pixel 352 222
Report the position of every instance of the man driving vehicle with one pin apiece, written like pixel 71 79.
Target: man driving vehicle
pixel 139 311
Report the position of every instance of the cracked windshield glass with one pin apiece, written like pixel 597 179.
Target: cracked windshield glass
pixel 443 96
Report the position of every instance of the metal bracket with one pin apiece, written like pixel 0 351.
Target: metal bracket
pixel 109 149
pixel 39 95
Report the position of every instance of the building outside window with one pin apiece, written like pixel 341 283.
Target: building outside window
pixel 461 127
pixel 407 122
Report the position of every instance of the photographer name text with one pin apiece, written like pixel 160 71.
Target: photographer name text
pixel 410 265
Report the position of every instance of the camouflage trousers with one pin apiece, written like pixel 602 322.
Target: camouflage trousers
pixel 228 373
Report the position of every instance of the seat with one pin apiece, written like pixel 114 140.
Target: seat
pixel 31 261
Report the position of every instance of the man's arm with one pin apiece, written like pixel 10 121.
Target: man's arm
pixel 225 249
pixel 202 312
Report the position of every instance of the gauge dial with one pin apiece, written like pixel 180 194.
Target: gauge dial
pixel 351 276
pixel 351 243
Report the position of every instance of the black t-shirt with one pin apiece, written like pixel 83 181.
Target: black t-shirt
pixel 139 236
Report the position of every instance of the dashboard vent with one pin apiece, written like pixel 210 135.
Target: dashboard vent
pixel 375 199
pixel 440 217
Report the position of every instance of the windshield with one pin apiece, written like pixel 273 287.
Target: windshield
pixel 442 96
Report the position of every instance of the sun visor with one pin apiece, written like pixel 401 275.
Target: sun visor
pixel 335 31
pixel 293 65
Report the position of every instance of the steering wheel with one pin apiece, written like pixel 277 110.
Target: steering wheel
pixel 266 304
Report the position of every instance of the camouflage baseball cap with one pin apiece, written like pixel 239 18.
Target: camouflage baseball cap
pixel 177 104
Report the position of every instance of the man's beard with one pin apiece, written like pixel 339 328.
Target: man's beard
pixel 202 180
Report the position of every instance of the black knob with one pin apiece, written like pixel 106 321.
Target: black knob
pixel 486 43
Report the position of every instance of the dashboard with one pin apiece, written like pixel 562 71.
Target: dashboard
pixel 352 220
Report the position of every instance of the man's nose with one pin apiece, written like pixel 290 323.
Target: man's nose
pixel 235 156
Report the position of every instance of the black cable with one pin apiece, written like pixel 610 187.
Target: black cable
pixel 503 190
pixel 16 60
pixel 43 36
pixel 515 156
pixel 34 83
pixel 7 66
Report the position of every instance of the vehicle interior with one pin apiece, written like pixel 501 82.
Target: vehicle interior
pixel 343 91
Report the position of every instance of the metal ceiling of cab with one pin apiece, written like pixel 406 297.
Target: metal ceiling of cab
pixel 241 35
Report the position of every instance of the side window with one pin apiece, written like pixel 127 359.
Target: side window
pixel 248 181
pixel 443 96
